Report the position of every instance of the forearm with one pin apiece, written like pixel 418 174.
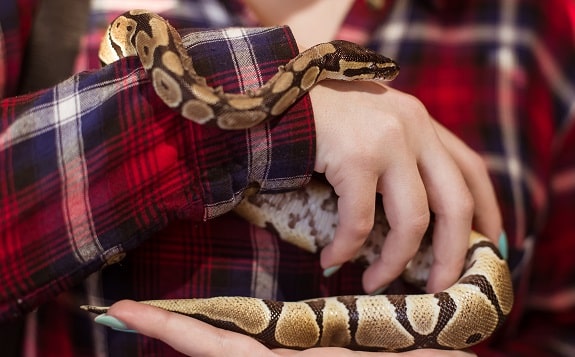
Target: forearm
pixel 97 164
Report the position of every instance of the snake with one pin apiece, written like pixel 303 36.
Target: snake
pixel 159 47
pixel 463 315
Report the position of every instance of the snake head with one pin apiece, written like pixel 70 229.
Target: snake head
pixel 354 62
pixel 385 71
pixel 117 41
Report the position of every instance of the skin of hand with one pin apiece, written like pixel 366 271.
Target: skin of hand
pixel 195 338
pixel 374 139
pixel 371 138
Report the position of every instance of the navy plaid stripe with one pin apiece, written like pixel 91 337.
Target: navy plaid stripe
pixel 113 164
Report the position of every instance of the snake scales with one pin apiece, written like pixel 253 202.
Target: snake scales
pixel 159 47
pixel 456 318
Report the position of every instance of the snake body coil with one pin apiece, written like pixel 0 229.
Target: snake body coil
pixel 159 47
pixel 459 317
pixel 456 318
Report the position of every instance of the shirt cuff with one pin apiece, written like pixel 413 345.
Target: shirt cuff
pixel 277 155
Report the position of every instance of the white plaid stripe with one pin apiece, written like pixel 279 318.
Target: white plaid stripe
pixel 507 65
pixel 73 172
pixel 400 28
pixel 265 263
pixel 28 126
pixel 246 68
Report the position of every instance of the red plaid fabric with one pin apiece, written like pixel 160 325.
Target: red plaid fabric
pixel 98 164
pixel 137 179
pixel 499 74
pixel 16 18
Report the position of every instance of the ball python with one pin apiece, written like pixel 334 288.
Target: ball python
pixel 159 47
pixel 456 318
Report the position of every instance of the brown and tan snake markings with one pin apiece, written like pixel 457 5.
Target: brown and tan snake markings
pixel 456 318
pixel 159 47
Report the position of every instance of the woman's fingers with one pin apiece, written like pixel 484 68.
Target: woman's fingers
pixel 376 139
pixel 407 211
pixel 487 215
pixel 356 210
pixel 452 204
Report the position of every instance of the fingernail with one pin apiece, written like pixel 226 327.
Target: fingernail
pixel 113 323
pixel 379 291
pixel 503 247
pixel 330 271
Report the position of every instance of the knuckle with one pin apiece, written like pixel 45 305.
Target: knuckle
pixel 420 223
pixel 362 227
pixel 465 205
pixel 392 130
pixel 460 207
pixel 416 225
pixel 353 233
pixel 414 107
pixel 408 118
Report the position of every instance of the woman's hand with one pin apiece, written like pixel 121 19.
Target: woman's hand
pixel 374 139
pixel 195 338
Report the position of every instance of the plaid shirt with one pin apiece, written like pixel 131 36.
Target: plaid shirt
pixel 134 177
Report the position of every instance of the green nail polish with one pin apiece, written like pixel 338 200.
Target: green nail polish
pixel 113 323
pixel 503 247
pixel 379 291
pixel 330 271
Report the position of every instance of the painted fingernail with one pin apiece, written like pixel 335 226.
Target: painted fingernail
pixel 379 291
pixel 113 323
pixel 503 247
pixel 330 271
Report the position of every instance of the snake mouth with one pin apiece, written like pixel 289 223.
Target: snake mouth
pixel 388 73
pixel 377 71
pixel 385 71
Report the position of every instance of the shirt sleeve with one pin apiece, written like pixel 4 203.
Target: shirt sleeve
pixel 92 167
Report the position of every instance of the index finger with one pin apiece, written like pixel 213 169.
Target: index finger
pixel 487 216
pixel 452 204
pixel 407 212
pixel 356 210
